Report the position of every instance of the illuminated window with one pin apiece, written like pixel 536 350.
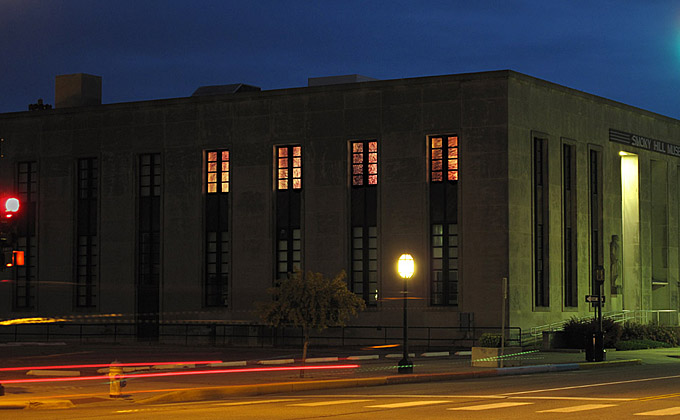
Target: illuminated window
pixel 444 279
pixel 217 172
pixel 289 167
pixel 444 158
pixel 289 234
pixel 217 235
pixel 364 163
pixel 363 279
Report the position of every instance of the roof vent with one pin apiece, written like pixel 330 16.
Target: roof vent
pixel 224 89
pixel 338 80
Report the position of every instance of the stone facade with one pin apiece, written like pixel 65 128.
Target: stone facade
pixel 495 115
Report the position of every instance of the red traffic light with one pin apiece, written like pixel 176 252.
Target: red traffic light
pixel 11 207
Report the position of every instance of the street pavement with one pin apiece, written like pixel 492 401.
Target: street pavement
pixel 248 371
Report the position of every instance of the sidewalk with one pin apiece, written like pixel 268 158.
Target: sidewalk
pixel 248 371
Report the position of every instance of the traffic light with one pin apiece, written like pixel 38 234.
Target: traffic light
pixel 9 258
pixel 11 207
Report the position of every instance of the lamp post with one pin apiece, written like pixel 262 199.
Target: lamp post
pixel 405 267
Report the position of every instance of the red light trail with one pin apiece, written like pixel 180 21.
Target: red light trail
pixel 100 365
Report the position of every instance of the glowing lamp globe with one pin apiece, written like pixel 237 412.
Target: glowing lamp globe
pixel 406 266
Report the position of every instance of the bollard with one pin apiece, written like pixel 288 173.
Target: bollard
pixel 116 381
pixel 2 390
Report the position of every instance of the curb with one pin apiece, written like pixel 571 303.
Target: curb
pixel 219 392
pixel 285 387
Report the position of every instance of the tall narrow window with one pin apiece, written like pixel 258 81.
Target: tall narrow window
pixel 595 192
pixel 217 244
pixel 569 242
pixel 289 167
pixel 288 210
pixel 364 210
pixel 149 246
pixel 444 239
pixel 541 225
pixel 27 275
pixel 87 255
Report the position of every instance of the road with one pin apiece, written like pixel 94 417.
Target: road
pixel 648 391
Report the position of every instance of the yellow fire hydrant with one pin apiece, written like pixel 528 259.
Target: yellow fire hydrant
pixel 116 380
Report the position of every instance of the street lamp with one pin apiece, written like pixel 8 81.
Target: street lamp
pixel 405 267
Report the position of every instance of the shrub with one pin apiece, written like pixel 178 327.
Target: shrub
pixel 640 344
pixel 489 340
pixel 652 332
pixel 577 331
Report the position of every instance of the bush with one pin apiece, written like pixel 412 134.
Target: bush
pixel 640 344
pixel 651 332
pixel 577 331
pixel 489 340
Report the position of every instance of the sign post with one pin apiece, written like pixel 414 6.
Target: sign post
pixel 598 338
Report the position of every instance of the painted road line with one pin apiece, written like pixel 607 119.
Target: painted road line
pixel 275 361
pixel 46 372
pixel 591 385
pixel 225 364
pixel 436 354
pixel 260 401
pixel 490 406
pixel 322 403
pixel 577 408
pixel 398 355
pixel 365 357
pixel 663 412
pixel 409 404
pixel 608 399
pixel 176 366
pixel 321 359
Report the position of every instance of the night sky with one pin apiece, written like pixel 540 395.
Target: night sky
pixel 624 50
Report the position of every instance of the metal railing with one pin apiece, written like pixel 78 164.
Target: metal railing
pixel 242 334
pixel 658 316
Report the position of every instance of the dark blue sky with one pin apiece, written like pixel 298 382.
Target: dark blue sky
pixel 623 50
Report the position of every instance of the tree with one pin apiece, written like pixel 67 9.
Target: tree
pixel 311 301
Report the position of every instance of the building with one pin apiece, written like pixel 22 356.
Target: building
pixel 190 208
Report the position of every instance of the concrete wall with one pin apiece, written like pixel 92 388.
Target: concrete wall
pixel 567 115
pixel 494 115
